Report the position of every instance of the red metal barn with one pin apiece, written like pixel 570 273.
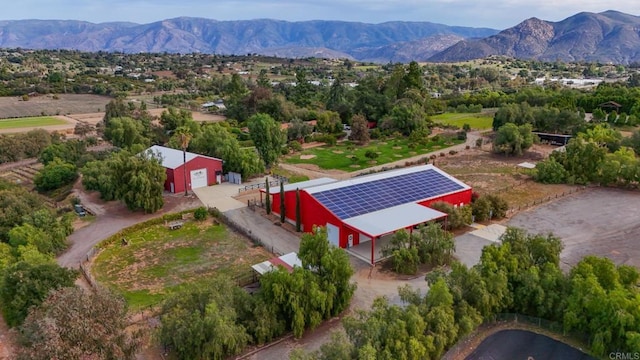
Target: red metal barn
pixel 201 170
pixel 362 213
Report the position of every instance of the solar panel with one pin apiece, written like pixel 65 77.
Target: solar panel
pixel 349 201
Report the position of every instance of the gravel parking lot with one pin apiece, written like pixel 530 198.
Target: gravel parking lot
pixel 598 221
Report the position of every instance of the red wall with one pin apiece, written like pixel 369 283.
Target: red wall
pixel 289 204
pixel 177 174
pixel 313 213
pixel 463 196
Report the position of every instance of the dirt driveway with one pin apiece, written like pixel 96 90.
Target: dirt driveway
pixel 112 217
pixel 598 221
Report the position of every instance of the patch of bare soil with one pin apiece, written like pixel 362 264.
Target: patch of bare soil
pixel 337 152
pixel 314 167
pixel 8 341
pixel 307 157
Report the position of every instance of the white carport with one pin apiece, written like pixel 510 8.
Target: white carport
pixel 380 225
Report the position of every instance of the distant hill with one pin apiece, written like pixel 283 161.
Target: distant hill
pixel 391 41
pixel 609 36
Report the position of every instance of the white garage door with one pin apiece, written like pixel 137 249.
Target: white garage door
pixel 198 178
pixel 333 234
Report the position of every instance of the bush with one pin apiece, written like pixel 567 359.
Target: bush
pixel 499 205
pixel 452 152
pixel 405 261
pixel 295 146
pixel 551 172
pixel 371 154
pixel 458 216
pixel 200 213
pixel 481 208
pixel 55 175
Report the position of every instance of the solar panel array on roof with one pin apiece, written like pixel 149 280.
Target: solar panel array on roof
pixel 349 201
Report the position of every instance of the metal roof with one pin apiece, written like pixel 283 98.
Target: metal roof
pixel 173 158
pixel 288 261
pixel 363 195
pixel 301 185
pixel 388 220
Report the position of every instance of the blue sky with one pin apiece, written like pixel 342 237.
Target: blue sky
pixel 499 14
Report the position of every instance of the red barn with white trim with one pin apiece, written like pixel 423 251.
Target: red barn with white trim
pixel 364 210
pixel 201 170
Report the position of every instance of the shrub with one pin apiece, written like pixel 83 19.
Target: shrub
pixel 54 175
pixel 499 205
pixel 200 213
pixel 550 172
pixel 295 146
pixel 452 152
pixel 481 208
pixel 371 154
pixel 458 216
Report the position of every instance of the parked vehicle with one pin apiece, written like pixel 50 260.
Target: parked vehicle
pixel 79 209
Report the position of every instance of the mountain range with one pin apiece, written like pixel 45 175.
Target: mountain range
pixel 609 36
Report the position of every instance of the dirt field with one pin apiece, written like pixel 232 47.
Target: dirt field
pixel 11 107
pixel 70 108
pixel 597 221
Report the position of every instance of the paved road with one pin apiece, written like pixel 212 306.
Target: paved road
pixel 274 237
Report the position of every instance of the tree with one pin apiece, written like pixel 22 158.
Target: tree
pixel 512 139
pixel 184 134
pixel 481 209
pixel 70 151
pixel 435 245
pixel 298 212
pixel 15 203
pixel 217 141
pixel 283 210
pixel 202 322
pixel 55 175
pixel 267 137
pixel 550 171
pixel 405 257
pixel 137 180
pixel 359 129
pixel 173 118
pixel 267 202
pixel 298 130
pixel 124 132
pixel 115 109
pixel 329 122
pixel 141 181
pixel 73 323
pixel 26 285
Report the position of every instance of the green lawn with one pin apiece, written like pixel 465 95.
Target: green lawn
pixel 159 261
pixel 349 157
pixel 479 121
pixel 30 122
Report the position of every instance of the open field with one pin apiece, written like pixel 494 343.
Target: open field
pixel 597 221
pixel 13 107
pixel 28 122
pixel 490 173
pixel 349 157
pixel 159 261
pixel 478 121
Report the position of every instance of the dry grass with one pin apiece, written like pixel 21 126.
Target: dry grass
pixel 488 173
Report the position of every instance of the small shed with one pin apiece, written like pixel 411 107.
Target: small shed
pixel 287 261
